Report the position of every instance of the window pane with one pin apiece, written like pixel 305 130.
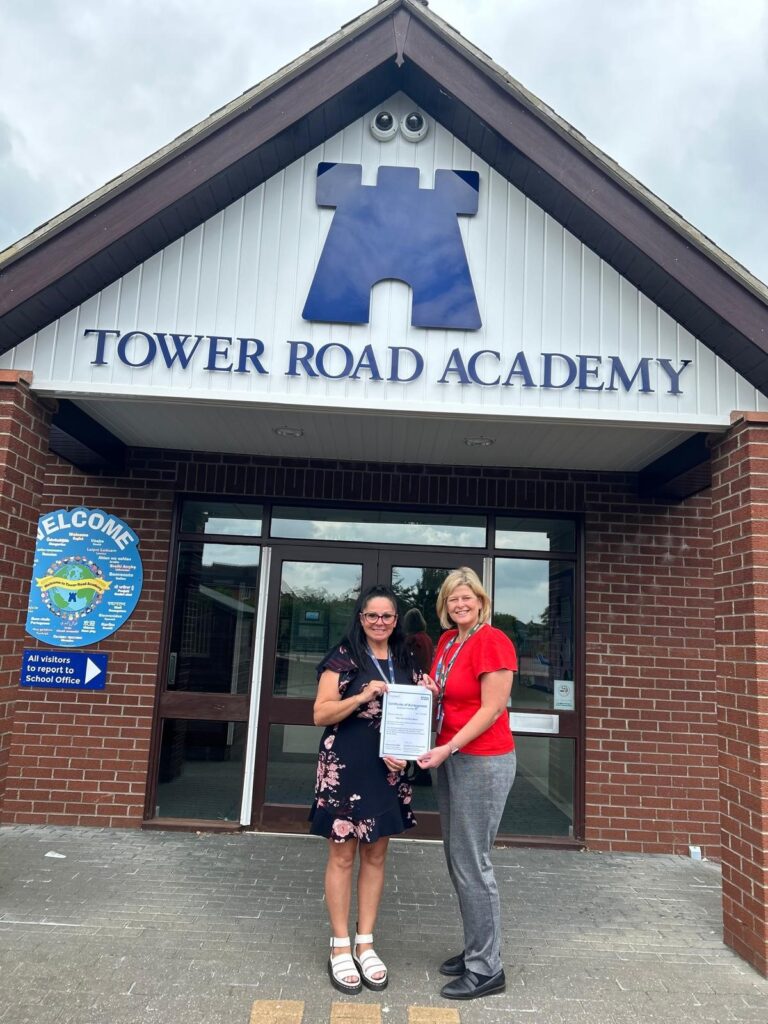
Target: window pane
pixel 292 768
pixel 224 517
pixel 535 534
pixel 416 589
pixel 292 764
pixel 316 602
pixel 201 770
pixel 541 801
pixel 378 527
pixel 533 605
pixel 213 618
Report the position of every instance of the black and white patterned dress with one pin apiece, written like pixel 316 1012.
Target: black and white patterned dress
pixel 356 795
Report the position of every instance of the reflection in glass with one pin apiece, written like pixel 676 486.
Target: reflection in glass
pixel 541 801
pixel 533 605
pixel 213 618
pixel 529 534
pixel 200 774
pixel 416 590
pixel 316 602
pixel 292 764
pixel 224 517
pixel 379 527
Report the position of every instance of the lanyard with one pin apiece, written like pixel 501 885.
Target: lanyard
pixel 444 667
pixel 390 666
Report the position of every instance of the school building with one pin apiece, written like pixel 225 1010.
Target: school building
pixel 385 314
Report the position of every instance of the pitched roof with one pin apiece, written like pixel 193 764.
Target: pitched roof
pixel 397 45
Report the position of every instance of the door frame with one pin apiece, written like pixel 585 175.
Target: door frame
pixel 275 710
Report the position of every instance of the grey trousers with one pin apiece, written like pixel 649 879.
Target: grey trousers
pixel 472 792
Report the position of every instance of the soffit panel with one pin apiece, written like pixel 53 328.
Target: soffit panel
pixel 375 437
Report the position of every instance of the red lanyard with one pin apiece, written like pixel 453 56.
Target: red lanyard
pixel 443 668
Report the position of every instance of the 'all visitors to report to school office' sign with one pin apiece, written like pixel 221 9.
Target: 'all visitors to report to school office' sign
pixel 63 670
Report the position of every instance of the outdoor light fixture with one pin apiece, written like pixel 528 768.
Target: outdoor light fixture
pixel 479 442
pixel 288 431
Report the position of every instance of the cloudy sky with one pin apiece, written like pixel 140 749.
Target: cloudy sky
pixel 675 90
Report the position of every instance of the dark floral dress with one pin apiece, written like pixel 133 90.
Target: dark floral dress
pixel 356 795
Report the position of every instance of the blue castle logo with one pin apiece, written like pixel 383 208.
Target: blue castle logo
pixel 395 230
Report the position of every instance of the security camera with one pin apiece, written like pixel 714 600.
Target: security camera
pixel 414 126
pixel 383 126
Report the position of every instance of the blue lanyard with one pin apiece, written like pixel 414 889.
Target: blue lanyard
pixel 390 666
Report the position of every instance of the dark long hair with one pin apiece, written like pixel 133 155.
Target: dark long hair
pixel 355 639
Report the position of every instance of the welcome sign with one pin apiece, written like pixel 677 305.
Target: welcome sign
pixel 86 579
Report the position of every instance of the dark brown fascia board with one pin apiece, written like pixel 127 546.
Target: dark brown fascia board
pixel 680 473
pixel 149 194
pixel 494 104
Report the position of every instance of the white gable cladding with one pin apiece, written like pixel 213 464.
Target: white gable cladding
pixel 246 272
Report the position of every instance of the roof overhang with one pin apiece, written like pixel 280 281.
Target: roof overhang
pixel 398 45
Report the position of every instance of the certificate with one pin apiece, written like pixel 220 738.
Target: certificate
pixel 406 722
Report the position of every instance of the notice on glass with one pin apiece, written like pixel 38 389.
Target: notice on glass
pixel 406 722
pixel 564 695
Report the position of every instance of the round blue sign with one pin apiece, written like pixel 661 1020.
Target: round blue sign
pixel 86 579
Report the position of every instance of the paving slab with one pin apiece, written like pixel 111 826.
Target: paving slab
pixel 133 927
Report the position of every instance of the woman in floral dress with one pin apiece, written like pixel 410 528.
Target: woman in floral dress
pixel 361 799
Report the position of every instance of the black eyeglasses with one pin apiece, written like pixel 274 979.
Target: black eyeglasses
pixel 371 617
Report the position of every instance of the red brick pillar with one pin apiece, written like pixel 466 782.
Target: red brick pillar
pixel 740 521
pixel 23 448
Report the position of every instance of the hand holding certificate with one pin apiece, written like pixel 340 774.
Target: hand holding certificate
pixel 406 722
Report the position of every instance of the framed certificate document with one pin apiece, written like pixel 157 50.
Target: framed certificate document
pixel 406 722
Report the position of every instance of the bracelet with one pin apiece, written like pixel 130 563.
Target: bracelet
pixel 453 750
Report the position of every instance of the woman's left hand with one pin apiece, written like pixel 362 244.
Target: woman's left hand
pixel 429 683
pixel 434 757
pixel 394 764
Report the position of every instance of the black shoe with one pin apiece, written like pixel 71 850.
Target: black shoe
pixel 453 966
pixel 472 986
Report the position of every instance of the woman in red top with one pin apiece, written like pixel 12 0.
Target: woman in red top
pixel 475 760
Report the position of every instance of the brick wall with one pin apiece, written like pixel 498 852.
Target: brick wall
pixel 651 739
pixel 740 516
pixel 81 758
pixel 23 442
pixel 652 760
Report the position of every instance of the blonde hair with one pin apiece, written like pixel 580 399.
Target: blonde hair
pixel 462 577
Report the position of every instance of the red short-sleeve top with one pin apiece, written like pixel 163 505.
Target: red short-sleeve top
pixel 488 650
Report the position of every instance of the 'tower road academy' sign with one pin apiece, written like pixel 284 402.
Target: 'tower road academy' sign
pixel 86 580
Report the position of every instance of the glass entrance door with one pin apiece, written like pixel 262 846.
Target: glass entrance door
pixel 416 579
pixel 311 604
pixel 311 601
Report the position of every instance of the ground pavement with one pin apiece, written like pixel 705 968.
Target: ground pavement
pixel 132 927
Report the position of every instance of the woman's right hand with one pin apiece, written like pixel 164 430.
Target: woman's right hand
pixel 372 689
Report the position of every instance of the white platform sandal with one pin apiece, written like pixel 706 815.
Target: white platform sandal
pixel 341 967
pixel 368 964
